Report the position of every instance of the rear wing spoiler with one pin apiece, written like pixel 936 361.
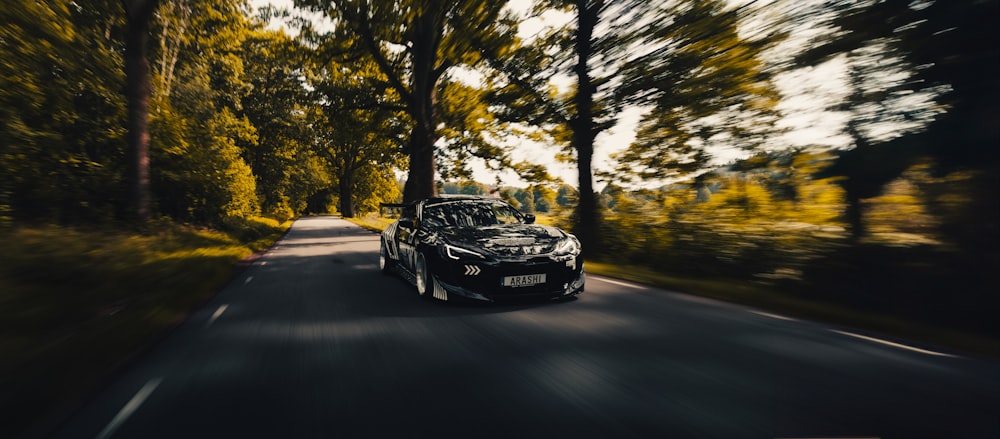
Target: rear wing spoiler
pixel 390 206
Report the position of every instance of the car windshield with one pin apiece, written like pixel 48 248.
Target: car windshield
pixel 469 214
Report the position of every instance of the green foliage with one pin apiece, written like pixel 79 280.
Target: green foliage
pixel 526 200
pixel 752 231
pixel 545 198
pixel 61 140
pixel 204 137
pixel 468 127
pixel 288 167
pixel 921 77
pixel 465 187
pixel 376 185
pixel 737 224
pixel 708 86
pixel 64 147
pixel 509 195
pixel 359 140
pixel 439 36
pixel 201 175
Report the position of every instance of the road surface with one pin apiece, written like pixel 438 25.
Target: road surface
pixel 313 342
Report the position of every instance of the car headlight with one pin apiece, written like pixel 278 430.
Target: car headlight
pixel 568 246
pixel 457 253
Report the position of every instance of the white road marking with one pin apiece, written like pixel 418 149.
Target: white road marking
pixel 218 312
pixel 129 408
pixel 780 317
pixel 624 284
pixel 263 262
pixel 247 280
pixel 832 437
pixel 895 345
pixel 773 316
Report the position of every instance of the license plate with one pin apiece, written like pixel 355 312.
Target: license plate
pixel 524 280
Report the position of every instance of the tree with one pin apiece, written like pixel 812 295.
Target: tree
pixel 61 111
pixel 359 138
pixel 544 197
pixel 138 14
pixel 414 44
pixel 470 130
pixel 582 123
pixel 686 60
pixel 199 134
pixel 943 52
pixel 575 119
pixel 526 199
pixel 509 195
pixel 707 86
pixel 285 159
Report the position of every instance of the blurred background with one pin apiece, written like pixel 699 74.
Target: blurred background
pixel 837 154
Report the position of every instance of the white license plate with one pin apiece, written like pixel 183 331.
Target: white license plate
pixel 524 280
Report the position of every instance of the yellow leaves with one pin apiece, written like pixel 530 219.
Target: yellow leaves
pixel 899 215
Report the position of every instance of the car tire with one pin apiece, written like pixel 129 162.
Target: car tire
pixel 385 263
pixel 424 279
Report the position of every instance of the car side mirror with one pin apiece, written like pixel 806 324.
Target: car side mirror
pixel 529 218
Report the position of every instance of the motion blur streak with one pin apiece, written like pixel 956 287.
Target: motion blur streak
pixel 320 346
pixel 129 408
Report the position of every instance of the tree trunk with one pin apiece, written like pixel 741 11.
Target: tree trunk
pixel 854 216
pixel 137 93
pixel 423 106
pixel 420 178
pixel 585 226
pixel 855 186
pixel 347 195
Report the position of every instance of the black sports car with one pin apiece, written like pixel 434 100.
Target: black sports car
pixel 482 249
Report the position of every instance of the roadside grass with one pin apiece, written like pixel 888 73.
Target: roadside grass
pixel 373 222
pixel 75 304
pixel 764 297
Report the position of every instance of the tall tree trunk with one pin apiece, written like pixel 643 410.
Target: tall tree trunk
pixel 420 178
pixel 855 185
pixel 423 105
pixel 583 126
pixel 347 195
pixel 137 93
pixel 854 216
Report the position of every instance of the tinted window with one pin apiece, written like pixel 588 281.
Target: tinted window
pixel 409 213
pixel 506 214
pixel 469 214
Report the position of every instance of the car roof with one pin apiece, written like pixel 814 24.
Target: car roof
pixel 441 198
pixel 458 197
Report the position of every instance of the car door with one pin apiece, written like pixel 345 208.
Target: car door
pixel 406 237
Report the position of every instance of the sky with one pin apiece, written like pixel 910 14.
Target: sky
pixel 806 93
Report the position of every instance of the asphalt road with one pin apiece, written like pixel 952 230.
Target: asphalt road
pixel 313 342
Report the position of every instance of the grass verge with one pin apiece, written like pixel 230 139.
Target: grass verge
pixel 763 297
pixel 372 222
pixel 76 304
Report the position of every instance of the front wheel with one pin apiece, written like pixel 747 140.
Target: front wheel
pixel 424 283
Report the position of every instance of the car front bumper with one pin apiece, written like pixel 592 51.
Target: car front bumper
pixel 484 282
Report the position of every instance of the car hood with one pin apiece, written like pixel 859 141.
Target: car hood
pixel 508 239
